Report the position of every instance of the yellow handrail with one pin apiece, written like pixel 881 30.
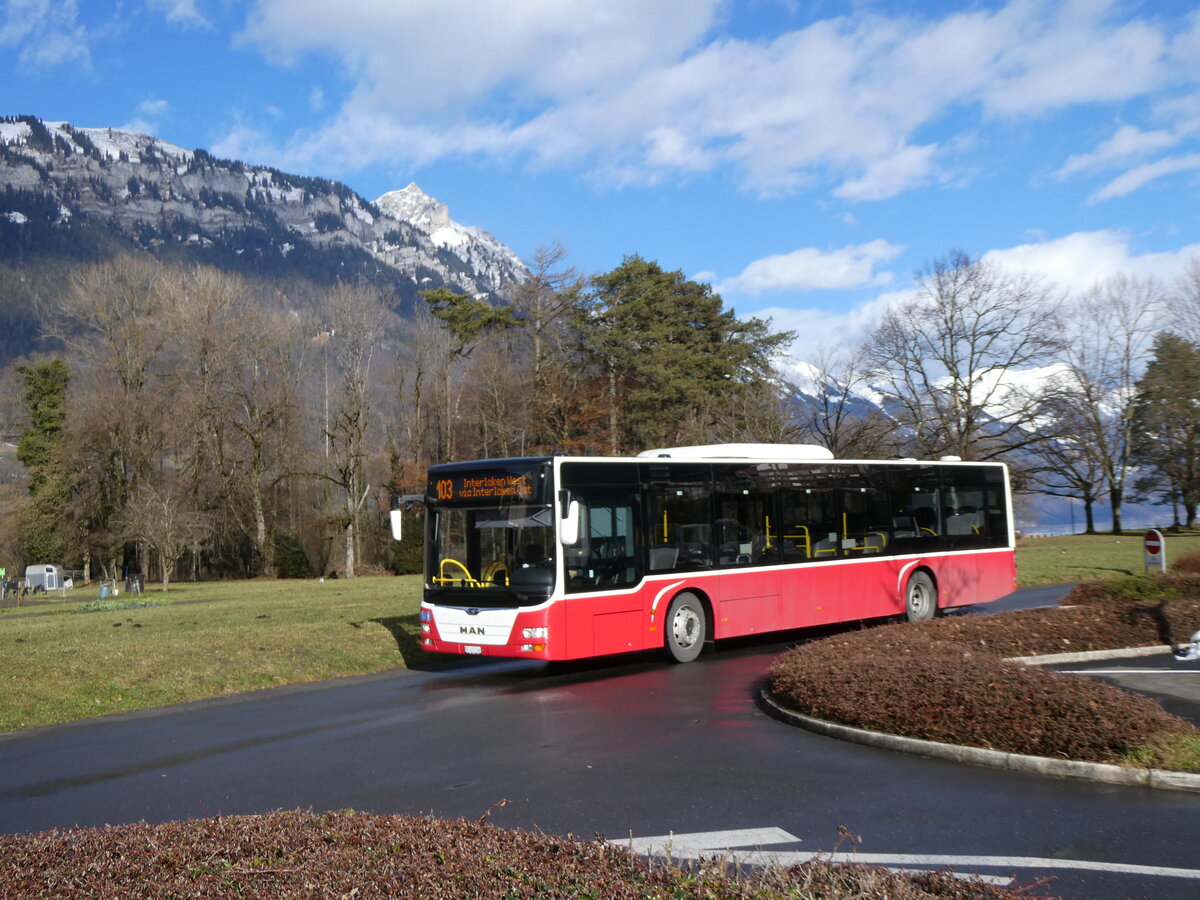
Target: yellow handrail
pixel 496 569
pixel 801 537
pixel 442 578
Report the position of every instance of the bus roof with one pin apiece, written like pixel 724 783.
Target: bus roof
pixel 741 451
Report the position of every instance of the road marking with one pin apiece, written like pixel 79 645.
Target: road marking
pixel 679 846
pixel 990 862
pixel 1130 671
pixel 700 842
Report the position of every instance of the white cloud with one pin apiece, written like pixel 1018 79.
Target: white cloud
pixel 1061 54
pixel 148 119
pixel 909 167
pixel 1128 141
pixel 1080 260
pixel 153 107
pixel 47 33
pixel 818 330
pixel 637 91
pixel 183 12
pixel 1142 175
pixel 810 269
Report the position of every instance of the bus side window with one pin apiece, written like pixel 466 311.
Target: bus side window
pixel 605 557
pixel 678 518
pixel 867 523
pixel 810 522
pixel 917 509
pixel 745 531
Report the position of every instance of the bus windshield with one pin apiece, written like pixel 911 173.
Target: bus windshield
pixel 490 539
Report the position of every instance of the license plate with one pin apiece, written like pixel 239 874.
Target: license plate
pixel 472 650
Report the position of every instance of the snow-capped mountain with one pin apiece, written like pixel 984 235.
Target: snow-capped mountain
pixel 474 246
pixel 77 191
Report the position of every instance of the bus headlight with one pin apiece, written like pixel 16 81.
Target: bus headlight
pixel 535 634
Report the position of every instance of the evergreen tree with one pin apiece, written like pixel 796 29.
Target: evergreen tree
pixel 468 319
pixel 41 525
pixel 676 361
pixel 1165 420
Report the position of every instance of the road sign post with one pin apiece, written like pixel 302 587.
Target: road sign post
pixel 1155 551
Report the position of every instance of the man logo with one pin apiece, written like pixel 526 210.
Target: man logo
pixel 471 629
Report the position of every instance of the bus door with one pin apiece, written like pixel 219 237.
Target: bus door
pixel 603 609
pixel 810 541
pixel 745 552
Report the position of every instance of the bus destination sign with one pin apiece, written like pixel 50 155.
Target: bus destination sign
pixel 450 487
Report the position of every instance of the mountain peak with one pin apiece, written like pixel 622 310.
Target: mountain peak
pixel 411 204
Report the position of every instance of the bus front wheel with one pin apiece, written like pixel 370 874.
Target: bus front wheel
pixel 686 627
pixel 920 600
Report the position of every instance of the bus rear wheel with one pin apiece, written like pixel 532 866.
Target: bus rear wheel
pixel 920 599
pixel 686 627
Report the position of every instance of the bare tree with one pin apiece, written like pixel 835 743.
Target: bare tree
pixel 500 412
pixel 238 367
pixel 947 360
pixel 1184 303
pixel 835 414
pixel 423 397
pixel 1066 464
pixel 1107 338
pixel 548 302
pixel 354 316
pixel 116 321
pixel 163 521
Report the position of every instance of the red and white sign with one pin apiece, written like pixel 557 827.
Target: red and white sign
pixel 1156 553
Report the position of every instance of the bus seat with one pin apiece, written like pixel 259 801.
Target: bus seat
pixel 663 558
pixel 873 542
pixel 963 523
pixel 825 547
pixel 926 519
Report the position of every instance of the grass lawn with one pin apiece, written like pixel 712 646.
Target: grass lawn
pixel 59 663
pixel 1080 557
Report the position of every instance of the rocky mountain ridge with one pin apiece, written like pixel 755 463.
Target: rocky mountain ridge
pixel 73 189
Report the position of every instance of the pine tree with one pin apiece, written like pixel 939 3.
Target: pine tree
pixel 1165 420
pixel 41 525
pixel 675 359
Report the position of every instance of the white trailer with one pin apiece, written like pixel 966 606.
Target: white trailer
pixel 48 578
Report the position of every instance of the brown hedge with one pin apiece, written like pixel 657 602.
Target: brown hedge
pixel 1135 612
pixel 363 856
pixel 947 680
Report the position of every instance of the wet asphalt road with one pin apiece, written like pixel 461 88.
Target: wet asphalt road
pixel 626 747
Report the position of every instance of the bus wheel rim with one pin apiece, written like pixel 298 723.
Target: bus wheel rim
pixel 685 626
pixel 919 598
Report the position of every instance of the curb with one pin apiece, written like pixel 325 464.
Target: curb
pixel 1054 659
pixel 999 759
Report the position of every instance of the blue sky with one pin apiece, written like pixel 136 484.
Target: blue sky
pixel 803 157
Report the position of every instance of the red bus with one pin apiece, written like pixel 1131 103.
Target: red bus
pixel 565 557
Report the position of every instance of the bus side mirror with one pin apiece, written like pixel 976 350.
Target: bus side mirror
pixel 569 530
pixel 396 517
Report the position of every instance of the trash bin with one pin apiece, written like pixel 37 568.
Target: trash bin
pixel 103 591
